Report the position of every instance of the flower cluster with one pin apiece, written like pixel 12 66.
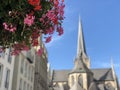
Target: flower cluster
pixel 22 23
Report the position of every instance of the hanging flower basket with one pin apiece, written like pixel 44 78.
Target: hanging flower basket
pixel 22 22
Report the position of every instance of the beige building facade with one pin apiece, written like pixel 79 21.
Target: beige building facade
pixel 82 77
pixel 40 75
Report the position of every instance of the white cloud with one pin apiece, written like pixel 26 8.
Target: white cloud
pixel 104 64
pixel 116 65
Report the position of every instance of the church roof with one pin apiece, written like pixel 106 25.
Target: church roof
pixel 93 86
pixel 102 74
pixel 98 74
pixel 60 75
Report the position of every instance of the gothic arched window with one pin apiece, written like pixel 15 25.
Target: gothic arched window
pixel 80 80
pixel 109 86
pixel 73 80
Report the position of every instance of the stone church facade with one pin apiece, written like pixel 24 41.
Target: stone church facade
pixel 82 77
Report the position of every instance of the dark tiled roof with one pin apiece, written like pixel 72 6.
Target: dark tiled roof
pixel 102 74
pixel 99 75
pixel 60 75
pixel 93 86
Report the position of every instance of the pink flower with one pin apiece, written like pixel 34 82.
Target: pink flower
pixel 40 51
pixel 5 26
pixel 48 39
pixel 52 16
pixel 35 42
pixel 60 31
pixel 9 27
pixel 56 3
pixel 29 20
pixel 50 30
pixel 25 48
pixel 1 49
pixel 15 52
pixel 61 9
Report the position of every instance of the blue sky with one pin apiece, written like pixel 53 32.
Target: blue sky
pixel 101 27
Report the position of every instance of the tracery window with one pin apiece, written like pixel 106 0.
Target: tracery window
pixel 109 86
pixel 73 80
pixel 80 80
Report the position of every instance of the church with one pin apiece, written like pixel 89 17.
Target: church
pixel 81 76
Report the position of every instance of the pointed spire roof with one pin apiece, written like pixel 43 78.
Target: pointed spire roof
pixel 81 43
pixel 80 66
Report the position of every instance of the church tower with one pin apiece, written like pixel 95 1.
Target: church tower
pixel 80 75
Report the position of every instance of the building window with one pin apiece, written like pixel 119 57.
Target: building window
pixel 31 88
pixel 7 78
pixel 72 80
pixel 25 69
pixel 31 74
pixel 24 86
pixel 20 84
pixel 22 65
pixel 9 55
pixel 109 86
pixel 1 71
pixel 28 71
pixel 28 87
pixel 80 80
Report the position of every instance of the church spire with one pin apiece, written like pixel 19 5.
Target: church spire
pixel 81 44
pixel 81 61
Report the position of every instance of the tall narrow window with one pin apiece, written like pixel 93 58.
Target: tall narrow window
pixel 25 69
pixel 7 78
pixel 31 74
pixel 1 71
pixel 72 80
pixel 22 64
pixel 9 55
pixel 24 86
pixel 80 80
pixel 31 88
pixel 20 84
pixel 28 87
pixel 28 71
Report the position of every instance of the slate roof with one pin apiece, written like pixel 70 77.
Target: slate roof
pixel 99 75
pixel 102 74
pixel 60 75
pixel 93 86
